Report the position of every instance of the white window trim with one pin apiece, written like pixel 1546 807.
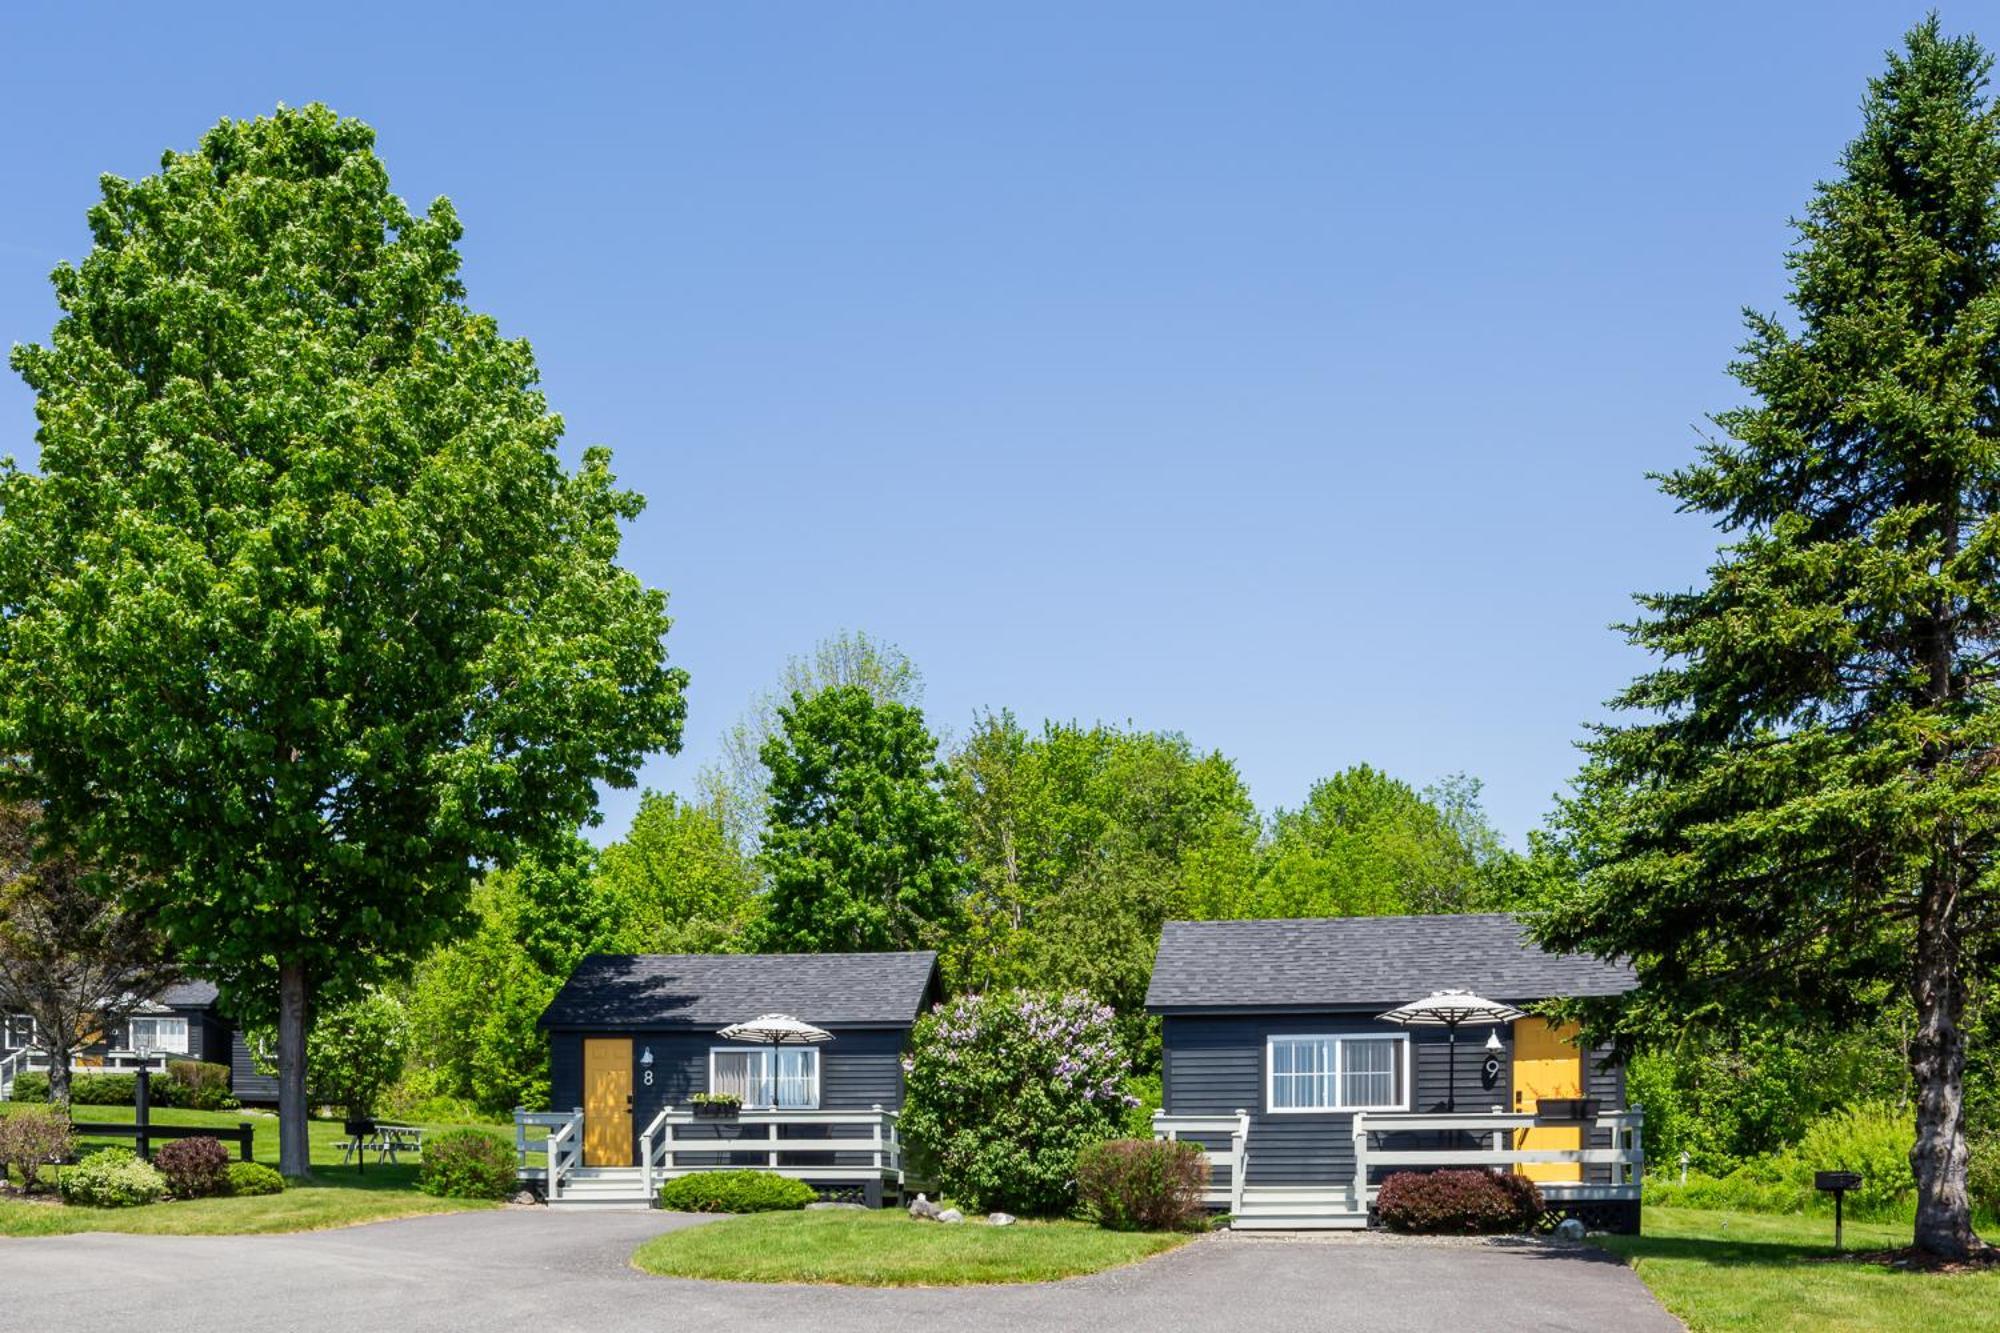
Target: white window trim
pixel 764 1050
pixel 187 1033
pixel 13 1023
pixel 1271 1106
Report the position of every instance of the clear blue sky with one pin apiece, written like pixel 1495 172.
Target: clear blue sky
pixel 1281 374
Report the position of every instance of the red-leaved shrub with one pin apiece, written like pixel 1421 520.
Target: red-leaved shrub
pixel 1458 1203
pixel 1143 1184
pixel 195 1168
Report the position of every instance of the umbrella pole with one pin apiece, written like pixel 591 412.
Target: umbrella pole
pixel 1451 1068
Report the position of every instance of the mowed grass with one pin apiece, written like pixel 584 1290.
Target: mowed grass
pixel 1723 1270
pixel 887 1248
pixel 337 1196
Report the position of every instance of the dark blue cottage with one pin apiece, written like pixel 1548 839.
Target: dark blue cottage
pixel 644 1088
pixel 1276 1061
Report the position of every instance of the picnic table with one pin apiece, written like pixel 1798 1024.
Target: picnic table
pixel 387 1142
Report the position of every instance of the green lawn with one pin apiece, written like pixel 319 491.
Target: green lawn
pixel 338 1195
pixel 887 1248
pixel 1717 1270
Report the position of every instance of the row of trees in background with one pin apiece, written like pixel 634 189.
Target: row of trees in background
pixel 1027 858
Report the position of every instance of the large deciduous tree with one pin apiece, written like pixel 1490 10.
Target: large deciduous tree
pixel 72 958
pixel 860 846
pixel 300 607
pixel 1805 807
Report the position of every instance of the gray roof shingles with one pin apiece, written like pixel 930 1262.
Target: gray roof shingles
pixel 188 995
pixel 1363 962
pixel 714 990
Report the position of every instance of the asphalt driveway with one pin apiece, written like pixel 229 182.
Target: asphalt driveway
pixel 527 1269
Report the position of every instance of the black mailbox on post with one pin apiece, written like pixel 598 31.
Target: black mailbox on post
pixel 1837 1183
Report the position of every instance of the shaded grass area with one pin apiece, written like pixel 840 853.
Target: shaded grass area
pixel 886 1248
pixel 1727 1270
pixel 337 1195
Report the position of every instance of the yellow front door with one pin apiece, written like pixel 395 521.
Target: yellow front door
pixel 607 1101
pixel 1546 1064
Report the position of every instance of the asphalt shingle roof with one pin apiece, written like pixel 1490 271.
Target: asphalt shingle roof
pixel 188 995
pixel 715 990
pixel 1363 961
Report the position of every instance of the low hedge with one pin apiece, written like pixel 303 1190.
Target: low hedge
pixel 103 1089
pixel 1458 1203
pixel 735 1192
pixel 1143 1184
pixel 247 1179
pixel 32 1086
pixel 194 1085
pixel 195 1168
pixel 468 1164
pixel 111 1178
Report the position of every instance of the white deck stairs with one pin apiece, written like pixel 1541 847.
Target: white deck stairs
pixel 602 1187
pixel 1298 1208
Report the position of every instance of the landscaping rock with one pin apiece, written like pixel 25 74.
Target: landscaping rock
pixel 951 1215
pixel 524 1197
pixel 999 1219
pixel 1570 1228
pixel 825 1204
pixel 923 1209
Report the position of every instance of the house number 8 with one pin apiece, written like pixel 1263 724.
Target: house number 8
pixel 649 1078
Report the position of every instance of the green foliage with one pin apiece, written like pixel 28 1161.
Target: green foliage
pixel 356 1053
pixel 734 1192
pixel 860 846
pixel 1143 1184
pixel 1144 1094
pixel 304 614
pixel 1004 1090
pixel 1458 1203
pixel 468 1164
pixel 1873 1139
pixel 32 1138
pixel 244 1180
pixel 194 1168
pixel 1801 804
pixel 29 1086
pixel 111 1178
pixel 1366 844
pixel 104 1089
pixel 1080 843
pixel 194 1085
pixel 676 882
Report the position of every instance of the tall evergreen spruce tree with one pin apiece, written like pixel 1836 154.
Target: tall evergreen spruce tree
pixel 1807 812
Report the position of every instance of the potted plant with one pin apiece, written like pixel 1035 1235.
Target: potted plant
pixel 716 1105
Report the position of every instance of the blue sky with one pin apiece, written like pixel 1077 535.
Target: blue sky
pixel 1286 375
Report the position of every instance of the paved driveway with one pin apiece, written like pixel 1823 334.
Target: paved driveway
pixel 522 1268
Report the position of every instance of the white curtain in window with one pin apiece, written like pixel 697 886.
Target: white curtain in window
pixel 1368 1073
pixel 747 1074
pixel 798 1077
pixel 159 1034
pixel 1302 1073
pixel 740 1074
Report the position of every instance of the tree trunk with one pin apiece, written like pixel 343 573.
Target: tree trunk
pixel 294 1148
pixel 59 1071
pixel 1937 1062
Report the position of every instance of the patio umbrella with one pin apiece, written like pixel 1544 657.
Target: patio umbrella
pixel 776 1030
pixel 1448 1009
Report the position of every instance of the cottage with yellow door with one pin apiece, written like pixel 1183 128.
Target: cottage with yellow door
pixel 1313 1058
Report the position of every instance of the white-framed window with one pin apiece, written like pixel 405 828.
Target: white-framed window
pixel 1357 1072
pixel 17 1032
pixel 747 1072
pixel 149 1032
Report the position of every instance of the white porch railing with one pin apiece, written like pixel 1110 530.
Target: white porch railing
pixel 36 1061
pixel 1237 1127
pixel 563 1150
pixel 1502 1133
pixel 665 1145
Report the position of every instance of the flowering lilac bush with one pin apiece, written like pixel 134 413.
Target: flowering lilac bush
pixel 1004 1090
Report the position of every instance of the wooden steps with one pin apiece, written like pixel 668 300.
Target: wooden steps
pixel 1298 1208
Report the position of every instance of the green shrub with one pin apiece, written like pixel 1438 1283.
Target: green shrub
pixel 468 1164
pixel 245 1179
pixel 103 1089
pixel 1004 1090
pixel 194 1085
pixel 1147 1096
pixel 112 1178
pixel 1982 1174
pixel 32 1138
pixel 1873 1139
pixel 1143 1184
pixel 735 1192
pixel 195 1168
pixel 1457 1203
pixel 32 1086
